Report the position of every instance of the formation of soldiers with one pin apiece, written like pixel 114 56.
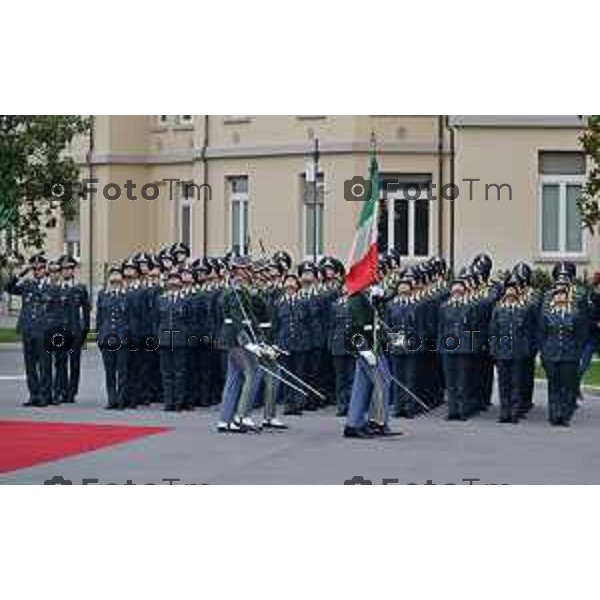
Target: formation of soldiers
pixel 255 332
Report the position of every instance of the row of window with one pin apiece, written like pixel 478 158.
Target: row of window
pixel 403 224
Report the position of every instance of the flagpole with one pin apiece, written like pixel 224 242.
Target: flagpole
pixel 375 198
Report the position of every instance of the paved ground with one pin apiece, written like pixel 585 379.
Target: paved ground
pixel 313 451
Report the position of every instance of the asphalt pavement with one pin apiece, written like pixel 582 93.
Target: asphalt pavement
pixel 313 451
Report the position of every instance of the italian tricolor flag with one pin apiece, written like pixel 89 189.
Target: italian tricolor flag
pixel 362 264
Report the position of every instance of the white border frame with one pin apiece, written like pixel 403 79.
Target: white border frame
pixel 390 199
pixel 562 181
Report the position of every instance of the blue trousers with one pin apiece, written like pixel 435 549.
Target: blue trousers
pixel 241 368
pixel 368 382
pixel 587 354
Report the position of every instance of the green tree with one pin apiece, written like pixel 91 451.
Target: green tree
pixel 590 197
pixel 33 157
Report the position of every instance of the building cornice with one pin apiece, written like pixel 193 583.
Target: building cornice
pixel 518 121
pixel 190 155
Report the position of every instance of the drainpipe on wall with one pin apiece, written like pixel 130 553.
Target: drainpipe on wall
pixel 204 189
pixel 451 257
pixel 89 159
pixel 440 157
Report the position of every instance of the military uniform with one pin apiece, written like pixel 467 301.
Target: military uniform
pixel 340 334
pixel 112 323
pixel 562 333
pixel 456 321
pixel 78 323
pixel 173 322
pixel 512 332
pixel 406 317
pixel 293 336
pixel 31 326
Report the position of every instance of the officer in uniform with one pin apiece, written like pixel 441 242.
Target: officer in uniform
pixel 290 316
pixel 31 327
pixel 77 322
pixel 532 301
pixel 242 352
pixel 58 340
pixel 153 289
pixel 405 316
pixel 310 364
pixel 138 331
pixel 456 321
pixel 368 411
pixel 340 349
pixel 562 333
pixel 173 323
pixel 511 332
pixel 112 323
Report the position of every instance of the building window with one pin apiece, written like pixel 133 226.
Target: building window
pixel 186 226
pixel 72 237
pixel 186 118
pixel 405 216
pixel 313 203
pixel 561 180
pixel 238 196
pixel 163 119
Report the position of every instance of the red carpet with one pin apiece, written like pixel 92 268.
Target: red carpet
pixel 28 443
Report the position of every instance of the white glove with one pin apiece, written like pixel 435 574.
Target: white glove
pixel 369 357
pixel 268 352
pixel 377 292
pixel 254 349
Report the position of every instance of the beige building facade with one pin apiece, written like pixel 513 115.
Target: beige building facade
pixel 518 179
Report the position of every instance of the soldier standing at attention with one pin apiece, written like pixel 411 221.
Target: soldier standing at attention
pixel 58 339
pixel 138 314
pixel 77 322
pixel 456 321
pixel 511 333
pixel 31 327
pixel 341 351
pixel 173 323
pixel 405 317
pixel 310 364
pixel 290 317
pixel 112 322
pixel 562 333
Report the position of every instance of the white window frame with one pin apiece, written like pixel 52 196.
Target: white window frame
pixel 390 198
pixel 308 253
pixel 76 249
pixel 185 202
pixel 243 198
pixel 562 181
pixel 183 121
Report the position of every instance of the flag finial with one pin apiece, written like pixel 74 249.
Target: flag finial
pixel 373 142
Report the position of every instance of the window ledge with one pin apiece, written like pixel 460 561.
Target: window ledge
pixel 236 120
pixel 311 117
pixel 159 129
pixel 184 127
pixel 577 258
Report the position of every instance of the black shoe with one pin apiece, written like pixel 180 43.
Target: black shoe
pixel 167 408
pixel 354 432
pixel 310 405
pixel 111 407
pixel 382 430
pixel 341 412
pixel 30 403
pixel 292 410
pixel 452 418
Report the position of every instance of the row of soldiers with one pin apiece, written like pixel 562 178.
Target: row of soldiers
pixel 248 332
